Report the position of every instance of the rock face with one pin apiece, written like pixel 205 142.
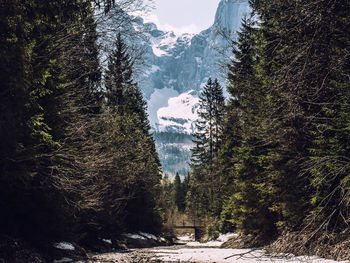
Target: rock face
pixel 179 65
pixel 185 62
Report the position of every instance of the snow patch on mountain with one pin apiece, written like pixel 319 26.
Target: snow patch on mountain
pixel 163 43
pixel 159 99
pixel 152 70
pixel 180 114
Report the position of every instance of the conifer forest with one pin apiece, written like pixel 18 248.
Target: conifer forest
pixel 78 161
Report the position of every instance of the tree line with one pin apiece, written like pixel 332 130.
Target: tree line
pixel 279 159
pixel 77 161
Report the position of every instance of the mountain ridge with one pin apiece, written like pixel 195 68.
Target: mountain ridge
pixel 179 66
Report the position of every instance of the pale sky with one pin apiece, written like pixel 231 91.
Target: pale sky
pixel 191 16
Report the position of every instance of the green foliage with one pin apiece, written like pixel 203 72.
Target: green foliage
pixel 71 167
pixel 203 198
pixel 137 165
pixel 284 155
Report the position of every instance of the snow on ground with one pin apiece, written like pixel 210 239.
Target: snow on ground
pixel 201 253
pixel 64 246
pixel 63 260
pixel 134 236
pixel 214 243
pixel 108 241
pixel 219 255
pixel 186 238
pixel 211 252
pixel 141 235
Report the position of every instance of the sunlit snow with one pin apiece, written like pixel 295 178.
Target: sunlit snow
pixel 159 99
pixel 64 246
pixel 152 70
pixel 134 236
pixel 63 260
pixel 219 255
pixel 211 252
pixel 180 113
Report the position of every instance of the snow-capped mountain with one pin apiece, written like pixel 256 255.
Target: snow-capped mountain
pixel 178 67
pixel 179 63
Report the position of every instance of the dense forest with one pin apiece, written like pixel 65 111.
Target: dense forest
pixel 277 164
pixel 78 162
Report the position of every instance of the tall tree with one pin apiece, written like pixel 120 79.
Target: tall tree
pixel 204 190
pixel 125 101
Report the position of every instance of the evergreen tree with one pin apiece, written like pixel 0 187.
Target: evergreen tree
pixel 204 189
pixel 126 104
pixel 178 195
pixel 56 151
pixel 118 76
pixel 283 97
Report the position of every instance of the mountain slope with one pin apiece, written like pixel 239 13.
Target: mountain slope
pixel 178 67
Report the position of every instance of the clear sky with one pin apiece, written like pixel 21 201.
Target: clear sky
pixel 189 16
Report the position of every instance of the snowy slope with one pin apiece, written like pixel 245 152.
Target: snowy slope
pixel 180 114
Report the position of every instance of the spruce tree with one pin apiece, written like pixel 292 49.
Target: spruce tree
pixel 204 190
pixel 126 104
pixel 118 76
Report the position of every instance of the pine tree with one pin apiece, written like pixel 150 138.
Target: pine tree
pixel 178 195
pixel 126 104
pixel 204 190
pixel 247 196
pixel 118 76
pixel 282 101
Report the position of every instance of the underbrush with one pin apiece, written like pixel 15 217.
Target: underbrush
pixel 326 245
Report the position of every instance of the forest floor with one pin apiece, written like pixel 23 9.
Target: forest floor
pixel 188 251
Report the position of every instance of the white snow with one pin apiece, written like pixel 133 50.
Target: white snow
pixel 63 260
pixel 64 246
pixel 158 52
pixel 172 81
pixel 180 113
pixel 151 70
pixel 186 238
pixel 210 252
pixel 159 99
pixel 134 236
pixel 225 237
pixel 108 241
pixel 198 60
pixel 144 236
pixel 161 45
pixel 204 253
pixel 219 255
pixel 214 243
pixel 149 236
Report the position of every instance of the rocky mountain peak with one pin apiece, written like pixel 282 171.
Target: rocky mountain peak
pixel 179 66
pixel 230 12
